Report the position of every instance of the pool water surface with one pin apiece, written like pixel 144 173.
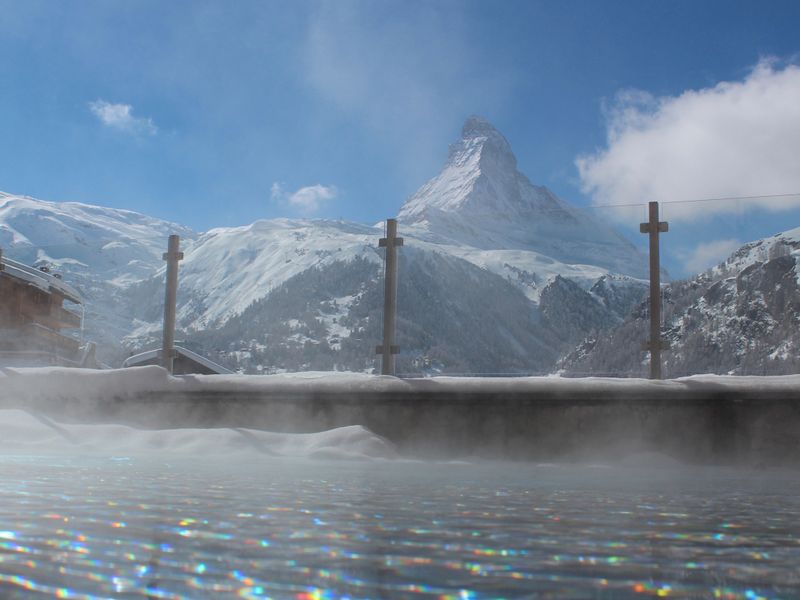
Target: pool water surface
pixel 87 527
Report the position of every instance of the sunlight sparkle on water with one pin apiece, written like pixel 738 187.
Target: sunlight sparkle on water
pixel 355 530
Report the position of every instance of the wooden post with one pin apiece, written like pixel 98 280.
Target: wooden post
pixel 172 256
pixel 654 227
pixel 389 349
pixel 2 266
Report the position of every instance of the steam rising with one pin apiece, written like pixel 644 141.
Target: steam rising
pixel 709 418
pixel 23 433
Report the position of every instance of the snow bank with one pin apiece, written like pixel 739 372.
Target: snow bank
pixel 19 384
pixel 29 434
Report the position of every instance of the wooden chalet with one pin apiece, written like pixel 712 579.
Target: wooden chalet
pixel 33 317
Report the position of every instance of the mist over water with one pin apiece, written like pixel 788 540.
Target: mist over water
pixel 35 434
pixel 252 525
pixel 100 510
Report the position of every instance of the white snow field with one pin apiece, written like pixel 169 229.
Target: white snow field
pixel 92 243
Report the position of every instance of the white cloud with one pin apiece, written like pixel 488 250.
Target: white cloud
pixel 120 117
pixel 307 200
pixel 276 192
pixel 709 254
pixel 739 138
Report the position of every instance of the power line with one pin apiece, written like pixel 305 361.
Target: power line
pixel 693 200
pixel 583 209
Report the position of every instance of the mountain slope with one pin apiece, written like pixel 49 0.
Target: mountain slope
pixel 452 317
pixel 120 246
pixel 230 269
pixel 514 263
pixel 246 263
pixel 101 251
pixel 739 317
pixel 481 200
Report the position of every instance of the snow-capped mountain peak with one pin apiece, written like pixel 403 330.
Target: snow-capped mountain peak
pixel 480 161
pixel 479 137
pixel 482 200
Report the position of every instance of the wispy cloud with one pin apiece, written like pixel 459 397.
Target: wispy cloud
pixel 120 117
pixel 409 77
pixel 739 138
pixel 277 193
pixel 306 200
pixel 709 254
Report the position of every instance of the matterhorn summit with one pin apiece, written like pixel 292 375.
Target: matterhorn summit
pixel 479 177
pixel 481 199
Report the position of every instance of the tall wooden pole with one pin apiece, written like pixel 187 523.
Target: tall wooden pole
pixel 389 349
pixel 2 266
pixel 172 256
pixel 654 227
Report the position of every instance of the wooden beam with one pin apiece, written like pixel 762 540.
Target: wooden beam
pixel 654 227
pixel 388 349
pixel 172 256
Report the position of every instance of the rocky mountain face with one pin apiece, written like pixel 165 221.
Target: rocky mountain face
pixel 740 318
pixel 497 275
pixel 481 200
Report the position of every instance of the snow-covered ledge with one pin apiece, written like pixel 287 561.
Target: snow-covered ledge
pixel 60 382
pixel 703 418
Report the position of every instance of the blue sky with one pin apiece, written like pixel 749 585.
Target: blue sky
pixel 217 113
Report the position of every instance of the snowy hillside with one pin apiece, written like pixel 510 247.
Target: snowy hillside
pixel 452 317
pixel 120 246
pixel 479 188
pixel 101 251
pixel 481 221
pixel 759 251
pixel 739 317
pixel 246 263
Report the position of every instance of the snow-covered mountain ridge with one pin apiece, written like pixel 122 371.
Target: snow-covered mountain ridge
pixel 739 317
pixel 122 245
pixel 101 251
pixel 246 263
pixel 480 211
pixel 759 251
pixel 479 188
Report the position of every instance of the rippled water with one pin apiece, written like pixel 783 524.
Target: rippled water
pixel 87 528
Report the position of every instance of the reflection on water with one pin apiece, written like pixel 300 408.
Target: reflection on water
pixel 89 528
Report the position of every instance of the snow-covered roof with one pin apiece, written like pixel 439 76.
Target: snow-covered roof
pixel 41 279
pixel 144 357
